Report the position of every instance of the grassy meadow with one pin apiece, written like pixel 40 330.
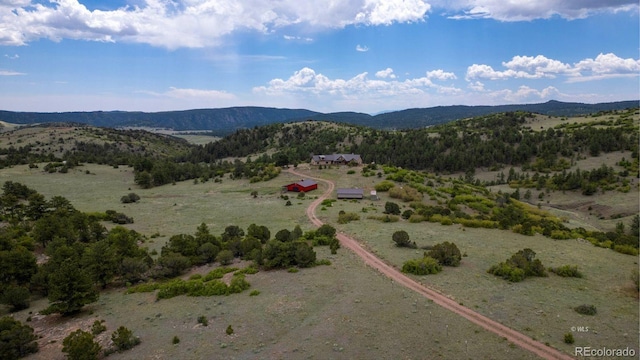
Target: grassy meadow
pixel 345 310
pixel 341 311
pixel 539 307
pixel 171 209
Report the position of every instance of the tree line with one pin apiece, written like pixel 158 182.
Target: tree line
pixel 492 141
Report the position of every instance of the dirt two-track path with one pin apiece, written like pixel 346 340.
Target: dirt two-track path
pixel 394 274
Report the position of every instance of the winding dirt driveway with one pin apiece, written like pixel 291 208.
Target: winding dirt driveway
pixel 394 274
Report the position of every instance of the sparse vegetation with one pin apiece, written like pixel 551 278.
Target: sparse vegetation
pixel 446 253
pixel 344 218
pixel 401 238
pixel 81 345
pixel 130 198
pixel 568 338
pixel 519 266
pixel 123 339
pixel 17 340
pixel 423 266
pixel 585 309
pixel 384 218
pixel 384 185
pixel 391 208
pixel 567 271
pixel 98 327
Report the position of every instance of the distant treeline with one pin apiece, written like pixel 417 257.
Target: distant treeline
pixel 225 121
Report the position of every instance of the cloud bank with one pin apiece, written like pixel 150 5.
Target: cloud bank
pixel 441 84
pixel 527 67
pixel 308 82
pixel 190 23
pixel 176 24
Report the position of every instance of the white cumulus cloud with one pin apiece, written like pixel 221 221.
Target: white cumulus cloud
pixel 605 66
pixel 476 86
pixel 528 67
pixel 308 81
pixel 361 48
pixel 390 11
pixel 441 75
pixel 386 73
pixel 482 71
pixel 526 94
pixel 190 23
pixel 539 65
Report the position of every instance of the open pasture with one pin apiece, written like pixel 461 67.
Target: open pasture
pixel 345 310
pixel 341 311
pixel 539 307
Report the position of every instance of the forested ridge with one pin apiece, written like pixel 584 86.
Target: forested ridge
pixel 224 121
pixel 491 141
pixel 221 121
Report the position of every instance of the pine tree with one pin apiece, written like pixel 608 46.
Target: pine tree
pixel 80 345
pixel 17 339
pixel 70 288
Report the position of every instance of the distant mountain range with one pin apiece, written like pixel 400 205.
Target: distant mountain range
pixel 226 120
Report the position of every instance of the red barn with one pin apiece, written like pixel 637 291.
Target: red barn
pixel 302 186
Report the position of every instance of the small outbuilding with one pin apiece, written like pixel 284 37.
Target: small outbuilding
pixel 350 193
pixel 302 186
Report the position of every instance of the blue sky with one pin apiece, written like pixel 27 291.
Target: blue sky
pixel 358 55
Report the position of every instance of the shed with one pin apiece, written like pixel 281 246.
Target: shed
pixel 350 193
pixel 302 186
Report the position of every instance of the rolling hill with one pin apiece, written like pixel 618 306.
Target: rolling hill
pixel 224 121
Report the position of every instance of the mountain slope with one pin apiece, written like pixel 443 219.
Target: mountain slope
pixel 222 121
pixel 226 120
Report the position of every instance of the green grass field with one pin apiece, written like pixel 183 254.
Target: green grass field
pixel 341 311
pixel 197 139
pixel 539 307
pixel 170 209
pixel 345 310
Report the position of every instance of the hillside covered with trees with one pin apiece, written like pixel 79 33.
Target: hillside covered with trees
pixel 227 120
pixel 494 142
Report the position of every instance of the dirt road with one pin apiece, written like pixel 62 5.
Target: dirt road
pixel 394 274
